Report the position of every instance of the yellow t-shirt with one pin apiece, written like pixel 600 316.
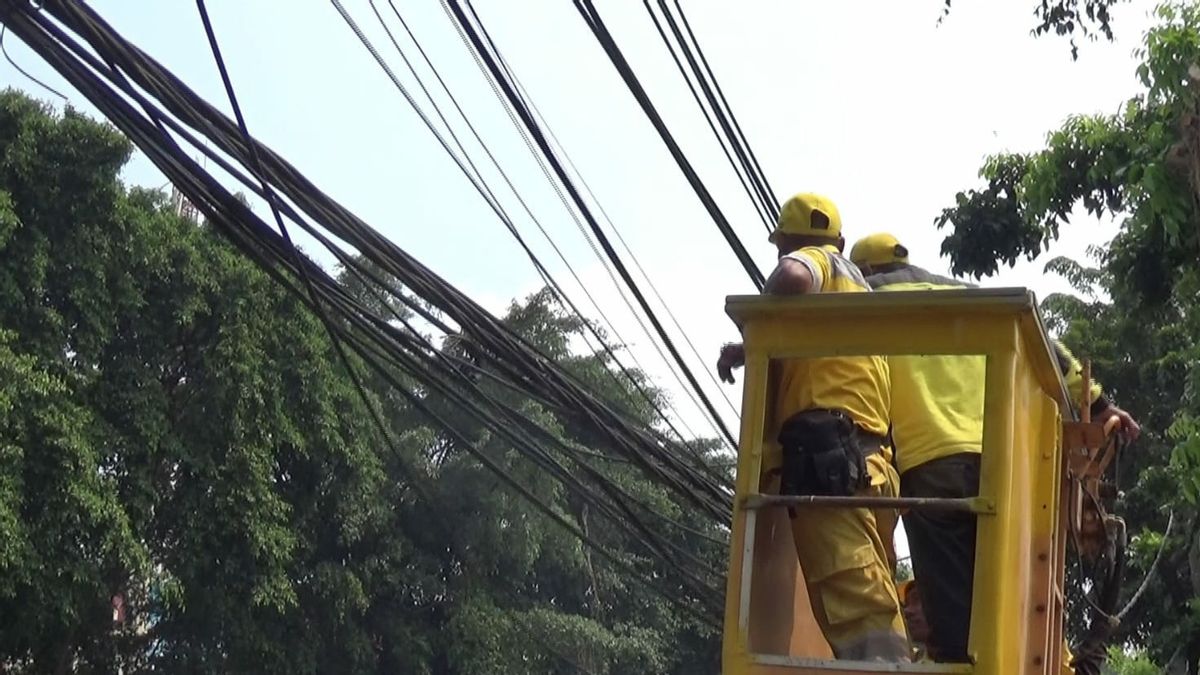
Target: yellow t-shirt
pixel 1072 371
pixel 937 401
pixel 856 385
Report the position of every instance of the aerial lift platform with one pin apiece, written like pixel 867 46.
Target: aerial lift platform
pixel 1039 483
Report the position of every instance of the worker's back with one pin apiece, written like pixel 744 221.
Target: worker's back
pixel 937 400
pixel 857 385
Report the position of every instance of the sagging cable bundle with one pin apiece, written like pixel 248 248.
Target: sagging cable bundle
pixel 156 110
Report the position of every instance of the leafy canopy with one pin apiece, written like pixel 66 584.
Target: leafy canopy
pixel 177 436
pixel 1134 310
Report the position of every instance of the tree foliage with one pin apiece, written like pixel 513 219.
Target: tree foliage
pixel 178 437
pixel 1118 164
pixel 1135 309
pixel 1137 663
pixel 1147 360
pixel 1090 19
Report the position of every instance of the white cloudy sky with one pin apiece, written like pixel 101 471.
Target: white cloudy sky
pixel 871 102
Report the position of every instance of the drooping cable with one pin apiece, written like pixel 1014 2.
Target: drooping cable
pixel 727 147
pixel 674 366
pixel 561 294
pixel 480 188
pixel 186 174
pixel 520 89
pixel 592 18
pixel 769 193
pixel 468 168
pixel 536 131
pixel 19 69
pixel 269 195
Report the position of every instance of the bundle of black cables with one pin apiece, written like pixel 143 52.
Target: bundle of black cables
pixel 158 112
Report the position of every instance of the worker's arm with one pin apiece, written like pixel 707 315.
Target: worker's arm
pixel 800 272
pixel 797 273
pixel 733 355
pixel 1101 408
pixel 791 277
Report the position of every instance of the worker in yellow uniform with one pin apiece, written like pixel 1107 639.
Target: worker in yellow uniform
pixel 918 627
pixel 830 415
pixel 937 430
pixel 914 618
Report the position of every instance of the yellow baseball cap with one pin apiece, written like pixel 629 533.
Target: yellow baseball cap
pixel 878 249
pixel 797 217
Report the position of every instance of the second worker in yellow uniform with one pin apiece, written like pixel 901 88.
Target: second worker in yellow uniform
pixel 831 418
pixel 937 426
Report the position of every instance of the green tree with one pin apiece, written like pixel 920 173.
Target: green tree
pixel 1134 310
pixel 1137 663
pixel 176 431
pixel 219 479
pixel 1090 19
pixel 529 577
pixel 1146 359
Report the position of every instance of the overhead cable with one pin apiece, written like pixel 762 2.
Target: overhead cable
pixel 729 142
pixel 587 188
pixel 594 22
pixel 675 366
pixel 536 131
pixel 560 294
pixel 768 193
pixel 488 338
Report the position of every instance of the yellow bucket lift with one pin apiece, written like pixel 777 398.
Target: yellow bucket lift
pixel 1032 483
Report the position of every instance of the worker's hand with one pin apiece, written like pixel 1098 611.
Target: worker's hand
pixel 1130 429
pixel 732 356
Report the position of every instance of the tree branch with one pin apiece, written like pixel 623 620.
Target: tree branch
pixel 1150 573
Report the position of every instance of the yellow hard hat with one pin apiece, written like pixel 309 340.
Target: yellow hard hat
pixel 904 589
pixel 878 249
pixel 797 217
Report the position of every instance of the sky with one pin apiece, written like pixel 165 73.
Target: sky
pixel 874 103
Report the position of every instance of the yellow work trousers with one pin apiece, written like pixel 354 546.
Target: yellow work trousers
pixel 849 560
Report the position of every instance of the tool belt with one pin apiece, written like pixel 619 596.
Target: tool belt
pixel 825 453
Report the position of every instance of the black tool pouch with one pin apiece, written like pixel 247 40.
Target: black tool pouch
pixel 822 455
